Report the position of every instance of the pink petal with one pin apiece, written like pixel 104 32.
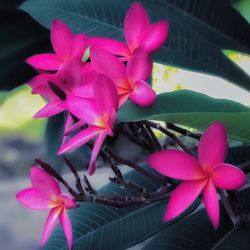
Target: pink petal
pixel 50 224
pixel 88 73
pixel 211 203
pixel 109 65
pixel 61 38
pixel 143 94
pixel 70 73
pixel 69 202
pixel 95 151
pixel 182 197
pixel 135 23
pixel 110 45
pixel 68 124
pixel 51 108
pixel 44 61
pixel 229 177
pixel 33 199
pixel 39 85
pixel 67 228
pixel 74 127
pixel 213 146
pixel 139 67
pixel 155 36
pixel 87 113
pixel 44 183
pixel 80 139
pixel 78 46
pixel 176 164
pixel 106 96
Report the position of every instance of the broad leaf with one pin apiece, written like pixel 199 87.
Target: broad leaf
pixel 192 109
pixel 195 232
pixel 97 226
pixel 198 31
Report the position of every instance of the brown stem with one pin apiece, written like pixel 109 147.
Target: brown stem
pixel 183 131
pixel 73 170
pixel 138 168
pixel 171 135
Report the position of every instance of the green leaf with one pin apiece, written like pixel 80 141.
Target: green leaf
pixel 194 110
pixel 97 226
pixel 198 31
pixel 195 232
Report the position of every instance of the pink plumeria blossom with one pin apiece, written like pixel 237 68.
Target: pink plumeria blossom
pixel 99 114
pixel 201 176
pixel 139 32
pixel 66 46
pixel 130 80
pixel 45 193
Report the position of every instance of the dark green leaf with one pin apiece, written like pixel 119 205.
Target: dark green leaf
pixel 198 30
pixel 100 227
pixel 192 109
pixel 195 232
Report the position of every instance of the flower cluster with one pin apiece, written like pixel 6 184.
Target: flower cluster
pixel 201 176
pixel 92 91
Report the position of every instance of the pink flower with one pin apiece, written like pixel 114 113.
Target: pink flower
pixel 138 33
pixel 99 114
pixel 201 176
pixel 45 193
pixel 73 78
pixel 131 80
pixel 66 46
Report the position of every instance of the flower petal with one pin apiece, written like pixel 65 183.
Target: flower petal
pixel 182 197
pixel 176 164
pixel 67 228
pixel 86 113
pixel 61 39
pixel 110 45
pixel 50 224
pixel 78 46
pixel 213 146
pixel 109 65
pixel 39 85
pixel 95 151
pixel 45 61
pixel 106 96
pixel 155 36
pixel 210 200
pixel 33 199
pixel 68 201
pixel 44 183
pixel 70 73
pixel 229 177
pixel 135 23
pixel 143 94
pixel 51 108
pixel 80 139
pixel 139 66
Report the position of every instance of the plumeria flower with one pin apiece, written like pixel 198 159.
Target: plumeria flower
pixel 45 193
pixel 66 46
pixel 73 78
pixel 201 176
pixel 99 114
pixel 130 80
pixel 139 32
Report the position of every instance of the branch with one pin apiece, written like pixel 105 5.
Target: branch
pixel 171 135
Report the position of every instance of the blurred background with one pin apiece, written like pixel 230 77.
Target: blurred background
pixel 23 138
